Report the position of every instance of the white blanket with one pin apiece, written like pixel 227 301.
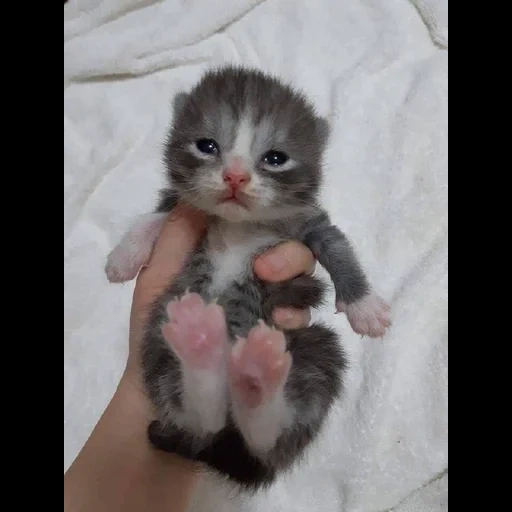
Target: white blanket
pixel 378 69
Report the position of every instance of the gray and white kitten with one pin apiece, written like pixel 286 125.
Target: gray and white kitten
pixel 229 389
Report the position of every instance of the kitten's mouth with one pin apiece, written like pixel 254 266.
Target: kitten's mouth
pixel 232 197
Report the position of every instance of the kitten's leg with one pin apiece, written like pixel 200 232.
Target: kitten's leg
pixel 197 335
pixel 134 249
pixel 280 397
pixel 367 313
pixel 258 371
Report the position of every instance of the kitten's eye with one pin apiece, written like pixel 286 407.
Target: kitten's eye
pixel 275 158
pixel 208 146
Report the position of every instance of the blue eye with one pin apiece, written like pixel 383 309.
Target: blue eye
pixel 275 158
pixel 208 146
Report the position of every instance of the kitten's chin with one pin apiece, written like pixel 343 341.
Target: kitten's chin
pixel 233 212
pixel 254 212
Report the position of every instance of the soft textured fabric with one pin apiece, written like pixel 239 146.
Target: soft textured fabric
pixel 378 69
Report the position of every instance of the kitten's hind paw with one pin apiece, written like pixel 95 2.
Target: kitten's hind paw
pixel 259 366
pixel 196 332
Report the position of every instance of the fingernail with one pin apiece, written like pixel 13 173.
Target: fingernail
pixel 276 262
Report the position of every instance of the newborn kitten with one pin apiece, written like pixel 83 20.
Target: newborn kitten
pixel 229 389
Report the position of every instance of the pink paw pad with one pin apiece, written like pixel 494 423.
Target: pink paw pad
pixel 369 316
pixel 259 365
pixel 196 332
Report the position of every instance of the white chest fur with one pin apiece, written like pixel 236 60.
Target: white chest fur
pixel 232 247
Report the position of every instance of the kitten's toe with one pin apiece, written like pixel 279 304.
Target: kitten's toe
pixel 369 316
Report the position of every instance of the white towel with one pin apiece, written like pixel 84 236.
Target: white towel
pixel 373 68
pixel 435 16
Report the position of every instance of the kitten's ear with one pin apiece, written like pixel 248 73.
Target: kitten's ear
pixel 323 130
pixel 178 103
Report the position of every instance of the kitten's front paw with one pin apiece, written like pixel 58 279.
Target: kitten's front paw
pixel 369 316
pixel 122 266
pixel 259 366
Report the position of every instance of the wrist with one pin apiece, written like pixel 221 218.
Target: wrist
pixel 118 469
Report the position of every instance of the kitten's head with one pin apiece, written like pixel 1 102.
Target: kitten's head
pixel 245 147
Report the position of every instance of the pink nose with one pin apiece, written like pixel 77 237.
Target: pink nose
pixel 236 178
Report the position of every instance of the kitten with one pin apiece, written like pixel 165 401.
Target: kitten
pixel 229 389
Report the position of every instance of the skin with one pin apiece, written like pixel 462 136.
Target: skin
pixel 117 469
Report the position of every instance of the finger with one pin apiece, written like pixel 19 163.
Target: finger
pixel 285 261
pixel 180 235
pixel 290 318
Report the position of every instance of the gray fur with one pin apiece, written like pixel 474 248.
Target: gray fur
pixel 288 123
pixel 218 103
